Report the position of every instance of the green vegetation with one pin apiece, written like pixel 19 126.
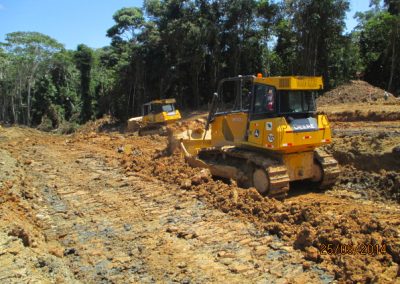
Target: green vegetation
pixel 180 49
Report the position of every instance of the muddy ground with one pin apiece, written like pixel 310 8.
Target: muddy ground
pixel 103 206
pixel 106 207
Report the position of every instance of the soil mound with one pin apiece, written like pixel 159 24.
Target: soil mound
pixel 355 92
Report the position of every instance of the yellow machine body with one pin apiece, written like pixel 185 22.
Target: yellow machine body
pixel 273 134
pixel 160 111
pixel 280 147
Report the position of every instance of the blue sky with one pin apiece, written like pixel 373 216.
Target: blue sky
pixel 72 22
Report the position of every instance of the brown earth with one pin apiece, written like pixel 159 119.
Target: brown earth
pixel 355 92
pixel 359 101
pixel 102 206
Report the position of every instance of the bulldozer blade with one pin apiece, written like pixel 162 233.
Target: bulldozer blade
pixel 191 160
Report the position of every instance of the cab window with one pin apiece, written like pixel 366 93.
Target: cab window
pixel 265 99
pixel 168 108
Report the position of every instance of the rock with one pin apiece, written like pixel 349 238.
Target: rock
pixel 224 254
pixel 304 238
pixel 120 149
pixel 23 235
pixel 182 265
pixel 56 251
pixel 70 251
pixel 245 241
pixel 234 196
pixel 306 265
pixel 260 250
pixel 311 254
pixel 186 184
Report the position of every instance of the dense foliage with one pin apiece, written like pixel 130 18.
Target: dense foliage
pixel 180 49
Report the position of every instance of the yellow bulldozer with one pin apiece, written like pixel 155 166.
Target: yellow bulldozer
pixel 156 115
pixel 264 134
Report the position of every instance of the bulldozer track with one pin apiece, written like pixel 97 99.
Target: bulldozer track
pixel 274 169
pixel 159 129
pixel 329 166
pixel 279 181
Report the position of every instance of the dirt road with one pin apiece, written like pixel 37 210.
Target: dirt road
pixel 112 208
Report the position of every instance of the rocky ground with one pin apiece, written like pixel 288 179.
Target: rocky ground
pixel 106 207
pixel 101 206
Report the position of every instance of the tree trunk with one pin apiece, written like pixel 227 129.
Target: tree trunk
pixel 28 109
pixel 3 108
pixel 13 109
pixel 392 68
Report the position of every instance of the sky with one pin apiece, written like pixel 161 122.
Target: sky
pixel 72 22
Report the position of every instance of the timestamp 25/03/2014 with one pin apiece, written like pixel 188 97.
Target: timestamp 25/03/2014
pixel 352 249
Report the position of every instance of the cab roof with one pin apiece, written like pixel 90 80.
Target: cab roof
pixel 292 82
pixel 163 101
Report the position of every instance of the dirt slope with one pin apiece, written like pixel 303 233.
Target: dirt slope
pixel 359 101
pixel 355 92
pixel 107 207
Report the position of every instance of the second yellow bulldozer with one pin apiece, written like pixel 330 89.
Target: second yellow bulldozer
pixel 264 133
pixel 156 115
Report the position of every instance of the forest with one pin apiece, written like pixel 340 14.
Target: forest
pixel 181 49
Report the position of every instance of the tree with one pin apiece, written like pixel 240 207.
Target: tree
pixel 308 34
pixel 84 61
pixel 379 45
pixel 127 22
pixel 29 51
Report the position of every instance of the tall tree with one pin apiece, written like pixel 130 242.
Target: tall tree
pixel 84 61
pixel 29 50
pixel 309 32
pixel 380 45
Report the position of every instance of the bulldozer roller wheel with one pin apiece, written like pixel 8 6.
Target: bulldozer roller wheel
pixel 261 181
pixel 318 172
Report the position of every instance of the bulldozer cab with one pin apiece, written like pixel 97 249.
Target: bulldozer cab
pixel 160 112
pixel 265 99
pixel 265 112
pixel 159 106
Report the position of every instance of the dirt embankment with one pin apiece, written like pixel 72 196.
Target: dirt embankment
pixel 359 101
pixel 356 92
pixel 366 138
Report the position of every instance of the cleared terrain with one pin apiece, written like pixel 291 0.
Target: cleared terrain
pixel 103 206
